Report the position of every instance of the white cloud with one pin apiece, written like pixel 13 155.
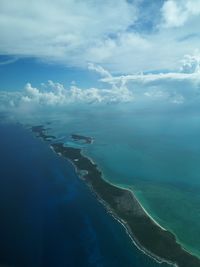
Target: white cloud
pixel 99 69
pixel 76 32
pixel 54 94
pixel 191 64
pixel 189 71
pixel 60 30
pixel 49 95
pixel 177 12
pixel 175 88
pixel 174 15
pixel 147 78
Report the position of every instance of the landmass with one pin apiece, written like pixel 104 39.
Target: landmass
pixel 152 239
pixel 78 137
pixel 40 130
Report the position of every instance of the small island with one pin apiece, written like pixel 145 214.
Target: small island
pixel 152 239
pixel 86 139
pixel 40 131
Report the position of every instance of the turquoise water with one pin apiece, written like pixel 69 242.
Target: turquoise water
pixel 49 217
pixel 155 151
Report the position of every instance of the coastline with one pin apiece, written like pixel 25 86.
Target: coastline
pixel 123 188
pixel 147 213
pixel 118 219
pixel 151 238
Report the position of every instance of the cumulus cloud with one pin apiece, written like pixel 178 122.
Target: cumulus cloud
pixel 55 94
pixel 175 87
pixel 191 64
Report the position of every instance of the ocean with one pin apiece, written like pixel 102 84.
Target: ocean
pixel 49 217
pixel 152 150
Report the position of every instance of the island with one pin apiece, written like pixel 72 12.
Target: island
pixel 40 131
pixel 151 238
pixel 77 137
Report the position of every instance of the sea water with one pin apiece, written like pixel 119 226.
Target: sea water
pixel 49 217
pixel 154 151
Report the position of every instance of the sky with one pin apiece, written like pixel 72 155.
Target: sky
pixel 61 51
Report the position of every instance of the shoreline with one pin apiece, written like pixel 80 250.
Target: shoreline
pixel 147 213
pixel 148 236
pixel 133 239
pixel 117 218
pixel 124 188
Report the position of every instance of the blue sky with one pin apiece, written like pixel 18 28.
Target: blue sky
pixel 124 41
pixel 15 75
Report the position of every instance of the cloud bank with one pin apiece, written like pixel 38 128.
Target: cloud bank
pixel 55 94
pixel 182 86
pixel 128 37
pixel 61 31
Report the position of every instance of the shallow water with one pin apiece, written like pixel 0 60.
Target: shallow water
pixel 49 217
pixel 155 152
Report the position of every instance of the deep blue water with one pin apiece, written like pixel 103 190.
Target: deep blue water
pixel 48 215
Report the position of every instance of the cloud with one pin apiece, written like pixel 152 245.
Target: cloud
pixel 9 100
pixel 124 38
pixel 189 71
pixel 8 61
pixel 174 15
pixel 61 31
pixel 54 94
pixel 175 87
pixel 182 86
pixel 191 64
pixel 164 95
pixel 148 78
pixel 100 70
pixel 177 12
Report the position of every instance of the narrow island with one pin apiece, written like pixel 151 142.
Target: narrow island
pixel 152 239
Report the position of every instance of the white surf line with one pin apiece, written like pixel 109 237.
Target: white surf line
pixel 119 186
pixel 145 211
pixel 123 223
